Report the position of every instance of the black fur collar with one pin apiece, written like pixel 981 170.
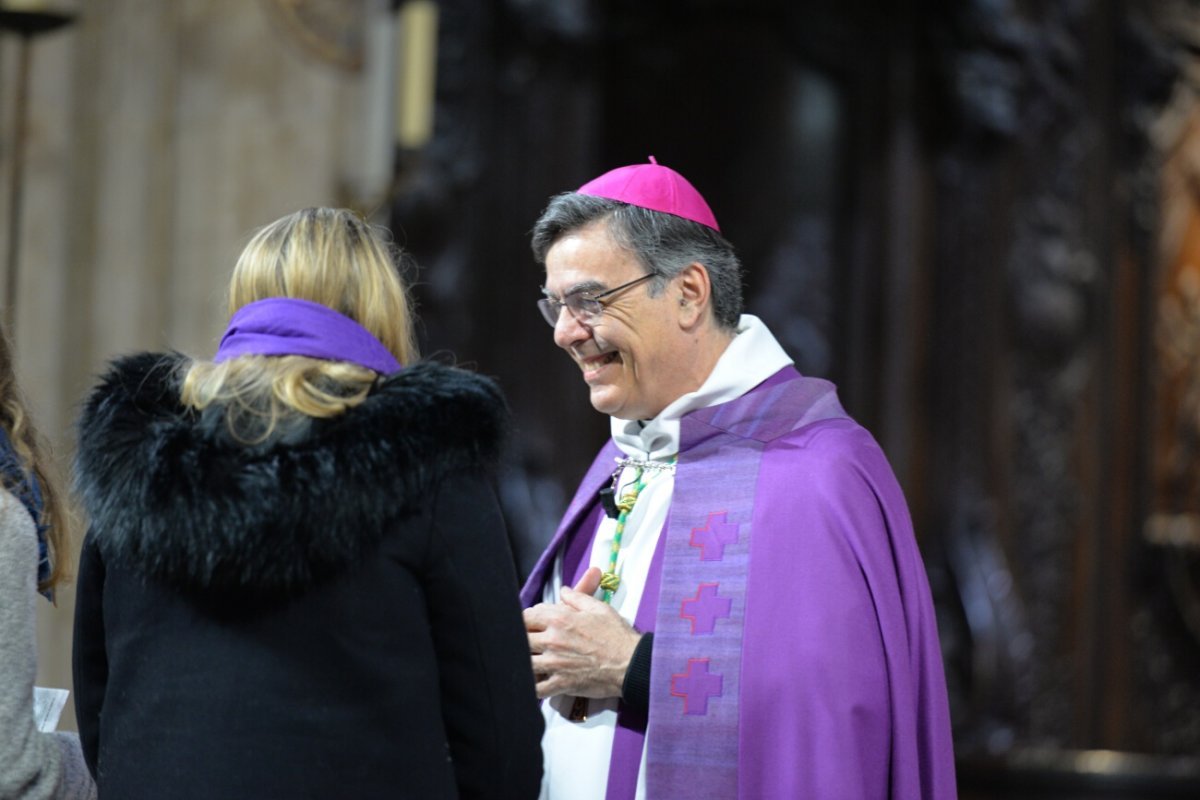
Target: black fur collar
pixel 181 501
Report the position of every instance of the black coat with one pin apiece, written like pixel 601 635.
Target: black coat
pixel 334 615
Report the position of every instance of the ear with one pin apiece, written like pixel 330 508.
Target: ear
pixel 693 293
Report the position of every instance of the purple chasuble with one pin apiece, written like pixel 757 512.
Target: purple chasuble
pixel 795 650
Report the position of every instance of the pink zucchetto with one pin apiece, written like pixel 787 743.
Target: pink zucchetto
pixel 655 187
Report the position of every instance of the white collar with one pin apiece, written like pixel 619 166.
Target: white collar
pixel 751 357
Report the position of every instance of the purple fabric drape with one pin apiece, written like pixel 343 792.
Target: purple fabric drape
pixel 582 515
pixel 630 735
pixel 795 650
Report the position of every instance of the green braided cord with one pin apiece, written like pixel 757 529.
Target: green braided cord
pixel 610 580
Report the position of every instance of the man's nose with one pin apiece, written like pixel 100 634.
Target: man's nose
pixel 568 330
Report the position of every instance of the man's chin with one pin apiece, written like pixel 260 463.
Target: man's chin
pixel 604 402
pixel 617 406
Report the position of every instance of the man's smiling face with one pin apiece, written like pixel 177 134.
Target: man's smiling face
pixel 630 353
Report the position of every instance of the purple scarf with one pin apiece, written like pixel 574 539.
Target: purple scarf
pixel 285 326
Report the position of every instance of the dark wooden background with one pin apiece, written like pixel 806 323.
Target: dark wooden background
pixel 958 212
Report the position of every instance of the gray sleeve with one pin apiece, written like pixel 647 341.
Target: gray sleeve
pixel 33 765
pixel 77 782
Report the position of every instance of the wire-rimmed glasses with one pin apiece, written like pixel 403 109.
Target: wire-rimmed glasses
pixel 584 306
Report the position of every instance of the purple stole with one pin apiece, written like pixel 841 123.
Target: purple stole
pixel 695 597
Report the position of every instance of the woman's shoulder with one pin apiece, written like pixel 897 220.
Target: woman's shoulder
pixel 445 410
pixel 432 386
pixel 18 537
pixel 134 385
pixel 161 489
pixel 140 374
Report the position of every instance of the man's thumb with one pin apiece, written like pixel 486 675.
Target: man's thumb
pixel 590 582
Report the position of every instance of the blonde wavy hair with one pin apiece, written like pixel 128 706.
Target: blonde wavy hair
pixel 28 445
pixel 328 256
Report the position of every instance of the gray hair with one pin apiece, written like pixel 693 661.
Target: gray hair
pixel 663 244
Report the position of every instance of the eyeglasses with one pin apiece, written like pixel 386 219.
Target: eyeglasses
pixel 583 306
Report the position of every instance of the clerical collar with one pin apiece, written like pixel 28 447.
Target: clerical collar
pixel 751 357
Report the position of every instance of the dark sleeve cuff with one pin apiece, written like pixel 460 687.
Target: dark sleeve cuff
pixel 635 691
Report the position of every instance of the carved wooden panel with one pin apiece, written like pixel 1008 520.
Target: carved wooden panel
pixel 951 209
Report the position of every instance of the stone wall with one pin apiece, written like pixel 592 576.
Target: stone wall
pixel 160 134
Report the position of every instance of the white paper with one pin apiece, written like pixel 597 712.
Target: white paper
pixel 47 707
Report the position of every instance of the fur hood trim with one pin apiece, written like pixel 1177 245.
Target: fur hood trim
pixel 183 502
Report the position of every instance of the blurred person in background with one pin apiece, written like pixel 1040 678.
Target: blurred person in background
pixel 34 535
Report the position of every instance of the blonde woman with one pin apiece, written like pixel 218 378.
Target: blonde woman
pixel 296 582
pixel 33 533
